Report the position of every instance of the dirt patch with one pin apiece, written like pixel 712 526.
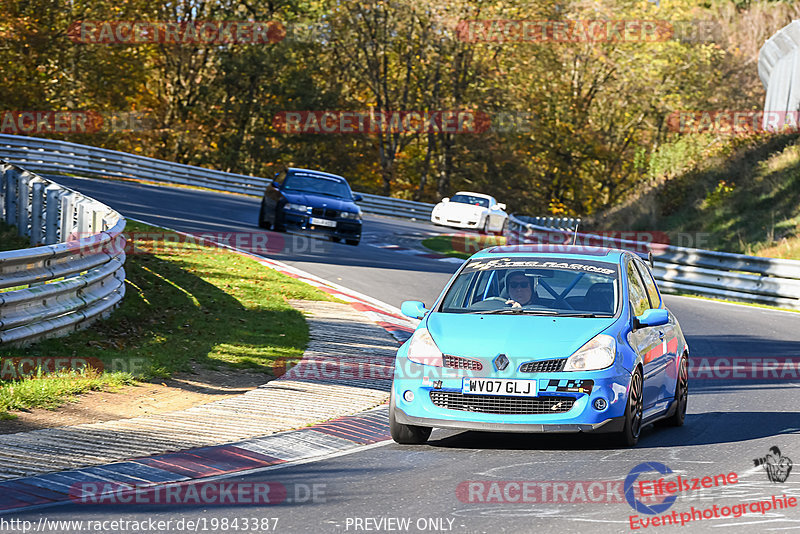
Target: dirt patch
pixel 183 390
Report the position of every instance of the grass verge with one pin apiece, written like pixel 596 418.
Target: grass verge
pixel 461 245
pixel 184 303
pixel 745 199
pixel 9 240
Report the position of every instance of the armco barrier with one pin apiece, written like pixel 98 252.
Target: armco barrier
pixel 73 275
pixel 678 269
pixel 59 157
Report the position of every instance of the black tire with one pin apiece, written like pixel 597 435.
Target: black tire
pixel 353 242
pixel 278 225
pixel 336 239
pixel 486 226
pixel 406 434
pixel 261 222
pixel 504 228
pixel 681 395
pixel 634 408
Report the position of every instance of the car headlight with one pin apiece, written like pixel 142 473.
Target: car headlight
pixel 422 349
pixel 351 215
pixel 296 207
pixel 598 353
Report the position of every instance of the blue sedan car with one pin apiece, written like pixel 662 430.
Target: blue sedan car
pixel 312 201
pixel 534 338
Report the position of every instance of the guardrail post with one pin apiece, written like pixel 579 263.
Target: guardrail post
pixel 37 190
pixel 23 201
pixel 11 197
pixel 67 217
pixel 84 226
pixel 51 219
pixel 3 171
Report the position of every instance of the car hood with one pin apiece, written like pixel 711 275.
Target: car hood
pixel 318 201
pixel 519 337
pixel 458 208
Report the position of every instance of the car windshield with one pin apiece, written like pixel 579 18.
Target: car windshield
pixel 470 199
pixel 314 183
pixel 536 286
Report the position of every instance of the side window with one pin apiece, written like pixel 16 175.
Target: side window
pixel 636 291
pixel 650 285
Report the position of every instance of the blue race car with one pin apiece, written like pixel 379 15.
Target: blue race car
pixel 537 338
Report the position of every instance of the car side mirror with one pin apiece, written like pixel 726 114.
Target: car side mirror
pixel 413 308
pixel 357 197
pixel 501 206
pixel 446 199
pixel 275 184
pixel 652 317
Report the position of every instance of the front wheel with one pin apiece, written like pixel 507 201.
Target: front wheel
pixel 486 226
pixel 406 434
pixel 634 409
pixel 261 222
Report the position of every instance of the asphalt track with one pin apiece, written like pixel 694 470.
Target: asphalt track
pixel 730 422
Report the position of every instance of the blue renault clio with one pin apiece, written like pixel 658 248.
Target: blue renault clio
pixel 536 338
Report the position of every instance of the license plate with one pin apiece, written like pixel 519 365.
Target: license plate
pixel 323 222
pixel 499 386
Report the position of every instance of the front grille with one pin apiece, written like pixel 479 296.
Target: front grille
pixel 457 362
pixel 454 400
pixel 543 366
pixel 324 212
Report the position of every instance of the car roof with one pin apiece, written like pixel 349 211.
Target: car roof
pixel 295 170
pixel 613 255
pixel 473 194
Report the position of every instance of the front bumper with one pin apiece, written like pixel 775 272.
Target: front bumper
pixel 454 223
pixel 421 380
pixel 609 425
pixel 344 229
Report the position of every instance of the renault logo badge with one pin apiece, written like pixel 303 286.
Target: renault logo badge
pixel 501 362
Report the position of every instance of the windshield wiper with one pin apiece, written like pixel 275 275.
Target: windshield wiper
pixel 511 311
pixel 585 315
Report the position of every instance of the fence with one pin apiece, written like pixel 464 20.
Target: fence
pixel 73 275
pixel 60 157
pixel 678 269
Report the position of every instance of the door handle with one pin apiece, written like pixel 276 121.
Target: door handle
pixel 660 334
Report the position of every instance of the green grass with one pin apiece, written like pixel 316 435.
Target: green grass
pixel 9 240
pixel 183 304
pixel 51 390
pixel 745 200
pixel 461 245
